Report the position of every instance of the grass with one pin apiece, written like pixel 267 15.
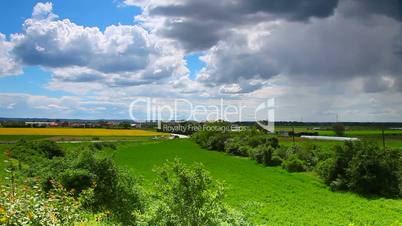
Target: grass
pixel 3 147
pixel 350 132
pixel 393 142
pixel 268 195
pixel 76 132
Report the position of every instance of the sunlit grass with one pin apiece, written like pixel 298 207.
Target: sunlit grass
pixel 268 195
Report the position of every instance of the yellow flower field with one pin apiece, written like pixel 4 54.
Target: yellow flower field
pixel 77 132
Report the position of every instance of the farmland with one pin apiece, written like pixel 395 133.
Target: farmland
pixel 268 195
pixel 263 194
pixel 74 132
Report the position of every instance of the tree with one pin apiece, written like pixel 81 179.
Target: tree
pixel 188 196
pixel 339 129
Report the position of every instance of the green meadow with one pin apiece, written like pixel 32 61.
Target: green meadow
pixel 266 195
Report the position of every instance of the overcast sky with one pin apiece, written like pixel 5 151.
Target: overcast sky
pixel 90 59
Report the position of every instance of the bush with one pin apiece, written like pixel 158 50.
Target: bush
pixel 114 189
pixel 339 129
pixel 25 204
pixel 326 170
pixel 234 146
pixel 365 168
pixel 23 150
pixel 294 164
pixel 212 140
pixel 76 180
pixel 50 149
pixel 187 196
pixel 257 140
pixel 264 154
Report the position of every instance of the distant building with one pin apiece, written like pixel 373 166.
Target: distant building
pixel 135 125
pixel 53 124
pixel 38 124
pixel 235 128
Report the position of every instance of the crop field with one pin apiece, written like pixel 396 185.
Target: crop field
pixel 267 195
pixel 357 132
pixel 75 132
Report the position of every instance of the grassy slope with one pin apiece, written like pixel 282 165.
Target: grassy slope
pixel 268 195
pixel 2 163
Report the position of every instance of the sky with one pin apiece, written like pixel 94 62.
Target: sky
pixel 319 60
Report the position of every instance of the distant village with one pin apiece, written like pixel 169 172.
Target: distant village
pixel 70 123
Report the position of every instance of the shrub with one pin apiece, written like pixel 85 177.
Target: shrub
pixel 23 150
pixel 326 170
pixel 234 146
pixel 373 170
pixel 294 164
pixel 212 140
pixel 50 149
pixel 97 146
pixel 76 180
pixel 25 204
pixel 114 189
pixel 339 129
pixel 257 140
pixel 264 154
pixel 187 196
pixel 311 154
pixel 365 168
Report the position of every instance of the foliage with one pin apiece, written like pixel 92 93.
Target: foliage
pixel 46 149
pixel 236 143
pixel 50 149
pixel 24 203
pixel 264 154
pixel 113 189
pixel 266 195
pixel 294 164
pixel 214 136
pixel 187 195
pixel 235 146
pixel 339 129
pixel 100 145
pixel 365 168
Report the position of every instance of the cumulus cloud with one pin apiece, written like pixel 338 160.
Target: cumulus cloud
pixel 122 55
pixel 8 65
pixel 347 52
pixel 310 41
pixel 43 11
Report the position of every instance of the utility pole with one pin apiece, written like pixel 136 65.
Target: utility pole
pixel 383 137
pixel 293 135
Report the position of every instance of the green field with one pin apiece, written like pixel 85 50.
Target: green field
pixel 2 163
pixel 267 195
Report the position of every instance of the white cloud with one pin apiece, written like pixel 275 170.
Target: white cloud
pixel 43 11
pixel 122 55
pixel 318 59
pixel 8 65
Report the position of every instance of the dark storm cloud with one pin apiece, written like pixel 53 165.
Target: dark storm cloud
pixel 364 8
pixel 291 9
pixel 335 49
pixel 203 23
